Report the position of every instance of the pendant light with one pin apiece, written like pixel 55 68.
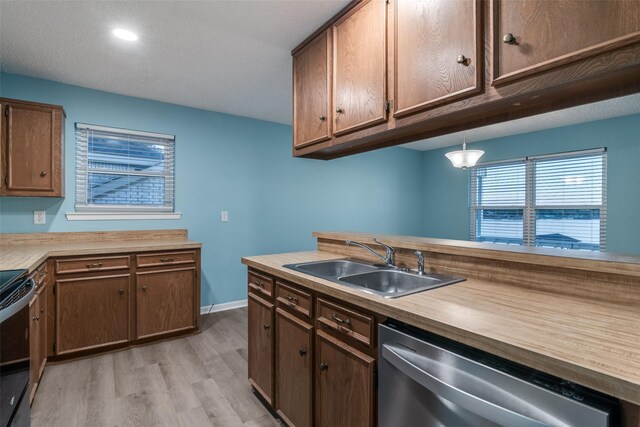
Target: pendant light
pixel 464 158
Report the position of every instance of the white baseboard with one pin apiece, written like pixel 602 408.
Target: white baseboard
pixel 214 308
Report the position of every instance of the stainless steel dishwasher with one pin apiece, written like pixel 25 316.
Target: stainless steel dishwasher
pixel 427 380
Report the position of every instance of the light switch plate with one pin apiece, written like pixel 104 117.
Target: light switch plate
pixel 224 216
pixel 39 217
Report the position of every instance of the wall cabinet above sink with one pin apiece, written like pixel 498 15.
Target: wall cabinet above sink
pixel 383 73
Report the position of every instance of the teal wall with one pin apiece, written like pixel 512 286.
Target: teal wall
pixel 446 189
pixel 232 163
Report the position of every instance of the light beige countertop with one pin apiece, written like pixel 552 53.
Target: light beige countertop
pixel 590 342
pixel 19 251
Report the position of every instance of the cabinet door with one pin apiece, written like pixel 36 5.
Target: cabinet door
pixel 34 345
pixel 30 148
pixel 311 115
pixel 360 67
pixel 165 301
pixel 438 55
pixel 92 312
pixel 344 390
pixel 260 346
pixel 294 369
pixel 42 329
pixel 547 34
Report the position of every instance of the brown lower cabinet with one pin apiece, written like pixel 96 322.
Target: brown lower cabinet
pixel 38 330
pixel 345 384
pixel 92 312
pixel 320 359
pixel 164 301
pixel 294 369
pixel 260 346
pixel 114 300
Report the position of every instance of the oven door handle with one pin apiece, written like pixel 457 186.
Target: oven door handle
pixel 424 371
pixel 19 304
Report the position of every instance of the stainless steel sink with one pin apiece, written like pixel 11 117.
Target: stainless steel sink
pixel 382 281
pixel 396 283
pixel 333 268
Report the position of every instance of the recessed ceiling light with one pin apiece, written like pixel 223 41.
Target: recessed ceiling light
pixel 123 34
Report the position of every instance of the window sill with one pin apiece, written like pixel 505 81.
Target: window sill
pixel 94 216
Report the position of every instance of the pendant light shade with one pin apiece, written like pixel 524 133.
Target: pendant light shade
pixel 464 158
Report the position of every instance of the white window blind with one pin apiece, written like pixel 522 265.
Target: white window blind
pixel 119 170
pixel 551 201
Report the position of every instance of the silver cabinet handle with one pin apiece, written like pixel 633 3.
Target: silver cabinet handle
pixel 323 117
pixel 463 60
pixel 43 173
pixel 425 374
pixel 339 320
pixel 509 39
pixel 339 110
pixel 293 300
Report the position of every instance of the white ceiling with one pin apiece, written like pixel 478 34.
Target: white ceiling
pixel 616 107
pixel 228 56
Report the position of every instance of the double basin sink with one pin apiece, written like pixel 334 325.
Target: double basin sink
pixel 382 281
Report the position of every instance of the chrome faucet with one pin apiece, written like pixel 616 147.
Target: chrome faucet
pixel 390 258
pixel 420 262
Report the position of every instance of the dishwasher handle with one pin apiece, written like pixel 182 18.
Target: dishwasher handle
pixel 402 360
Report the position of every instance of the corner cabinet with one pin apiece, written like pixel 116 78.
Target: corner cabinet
pixel 317 366
pixel 31 153
pixel 455 65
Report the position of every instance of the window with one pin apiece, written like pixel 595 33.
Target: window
pixel 556 201
pixel 123 171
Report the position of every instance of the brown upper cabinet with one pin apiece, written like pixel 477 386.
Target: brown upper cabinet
pixel 311 97
pixel 532 36
pixel 360 67
pixel 455 65
pixel 32 149
pixel 438 52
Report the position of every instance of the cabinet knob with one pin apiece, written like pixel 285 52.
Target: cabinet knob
pixel 42 311
pixel 266 326
pixel 324 366
pixel 509 39
pixel 339 110
pixel 43 173
pixel 121 291
pixel 303 352
pixel 144 288
pixel 463 60
pixel 323 117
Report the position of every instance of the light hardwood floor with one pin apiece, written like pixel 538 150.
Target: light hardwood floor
pixel 200 380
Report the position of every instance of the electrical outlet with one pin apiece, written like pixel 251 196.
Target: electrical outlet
pixel 39 217
pixel 224 216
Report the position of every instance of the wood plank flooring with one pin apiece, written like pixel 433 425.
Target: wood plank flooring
pixel 200 380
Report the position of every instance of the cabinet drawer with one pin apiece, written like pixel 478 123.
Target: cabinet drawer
pixel 348 322
pixel 88 265
pixel 39 275
pixel 295 299
pixel 260 285
pixel 166 258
